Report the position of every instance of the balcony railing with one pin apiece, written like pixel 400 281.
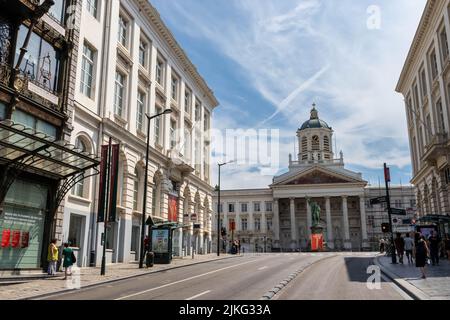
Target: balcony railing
pixel 303 162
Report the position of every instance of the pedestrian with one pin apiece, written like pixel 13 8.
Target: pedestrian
pixel 421 253
pixel 146 245
pixel 434 241
pixel 382 243
pixel 409 246
pixel 52 257
pixel 69 260
pixel 239 246
pixel 400 246
pixel 447 245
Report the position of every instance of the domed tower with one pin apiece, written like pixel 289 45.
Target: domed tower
pixel 315 139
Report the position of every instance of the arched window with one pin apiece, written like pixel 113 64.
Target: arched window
pixel 79 188
pixel 315 143
pixel 326 144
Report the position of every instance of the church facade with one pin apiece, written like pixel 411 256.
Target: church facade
pixel 279 218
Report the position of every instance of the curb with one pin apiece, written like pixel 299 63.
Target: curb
pixel 407 287
pixel 275 290
pixel 89 286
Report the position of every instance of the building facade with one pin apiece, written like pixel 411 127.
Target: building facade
pixel 279 218
pixel 37 163
pixel 425 86
pixel 129 67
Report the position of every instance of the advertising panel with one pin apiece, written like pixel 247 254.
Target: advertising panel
pixel 160 241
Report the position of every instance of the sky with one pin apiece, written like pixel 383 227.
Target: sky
pixel 268 61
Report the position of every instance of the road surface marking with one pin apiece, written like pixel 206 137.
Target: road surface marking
pixel 199 295
pixel 262 268
pixel 184 280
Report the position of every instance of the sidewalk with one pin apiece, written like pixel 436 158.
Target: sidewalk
pixel 91 277
pixel 408 277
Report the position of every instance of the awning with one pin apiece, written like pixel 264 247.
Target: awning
pixel 41 153
pixel 434 218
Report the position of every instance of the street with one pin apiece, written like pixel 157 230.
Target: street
pixel 328 275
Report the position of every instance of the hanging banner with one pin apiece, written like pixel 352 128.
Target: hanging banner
pixel 6 235
pixel 114 183
pixel 317 242
pixel 15 239
pixel 173 209
pixel 102 185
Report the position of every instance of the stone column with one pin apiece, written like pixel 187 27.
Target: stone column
pixel 263 222
pixel 293 224
pixel 308 221
pixel 330 239
pixel 276 223
pixel 347 241
pixel 362 206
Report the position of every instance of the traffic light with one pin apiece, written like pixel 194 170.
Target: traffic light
pixel 385 227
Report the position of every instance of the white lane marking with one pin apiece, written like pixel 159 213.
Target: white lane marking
pixel 262 268
pixel 199 295
pixel 184 280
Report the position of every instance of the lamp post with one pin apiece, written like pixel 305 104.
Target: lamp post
pixel 144 205
pixel 218 209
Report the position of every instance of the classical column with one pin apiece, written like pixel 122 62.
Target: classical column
pixel 263 222
pixel 238 217
pixel 276 223
pixel 347 242
pixel 330 239
pixel 308 221
pixel 362 206
pixel 293 224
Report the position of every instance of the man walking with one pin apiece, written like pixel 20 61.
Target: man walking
pixel 400 246
pixel 52 257
pixel 409 246
pixel 434 242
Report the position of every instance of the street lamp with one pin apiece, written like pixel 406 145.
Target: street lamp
pixel 218 208
pixel 144 205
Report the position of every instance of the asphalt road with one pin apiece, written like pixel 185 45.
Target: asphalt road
pixel 330 276
pixel 343 277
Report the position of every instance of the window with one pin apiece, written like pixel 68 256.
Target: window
pixel 187 102
pixel 34 123
pixel 434 66
pixel 140 111
pixel 78 189
pixel 197 154
pixel 173 131
pixel 412 203
pixel 269 224
pixel 268 206
pixel 444 44
pixel 160 71
pixel 206 121
pixel 57 11
pixel 92 7
pixel 110 235
pixel 76 231
pixel 119 94
pixel 87 71
pixel 428 117
pixel 187 143
pixel 326 144
pixel 315 143
pixel 123 31
pixel 135 190
pixel 244 207
pixel 257 206
pixel 175 84
pixel 244 224
pixel 158 127
pixel 231 207
pixel 154 191
pixel 143 50
pixel 423 83
pixel 258 224
pixel 41 63
pixel 197 111
pixel 440 116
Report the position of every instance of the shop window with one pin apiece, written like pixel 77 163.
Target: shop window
pixel 34 123
pixel 41 62
pixel 76 230
pixel 110 235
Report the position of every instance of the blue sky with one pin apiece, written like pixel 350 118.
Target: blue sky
pixel 268 60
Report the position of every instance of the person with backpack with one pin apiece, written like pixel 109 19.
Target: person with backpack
pixel 69 260
pixel 421 253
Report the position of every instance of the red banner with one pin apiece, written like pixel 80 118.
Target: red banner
pixel 232 226
pixel 317 242
pixel 387 174
pixel 6 235
pixel 25 242
pixel 173 209
pixel 15 239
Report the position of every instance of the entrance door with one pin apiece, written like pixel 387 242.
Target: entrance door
pixel 355 236
pixel 135 241
pixel 76 236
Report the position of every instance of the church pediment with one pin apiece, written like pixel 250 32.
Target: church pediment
pixel 317 176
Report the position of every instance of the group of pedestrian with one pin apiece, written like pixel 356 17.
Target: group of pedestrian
pixel 236 247
pixel 421 250
pixel 67 255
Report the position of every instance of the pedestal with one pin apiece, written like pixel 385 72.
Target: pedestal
pixel 317 238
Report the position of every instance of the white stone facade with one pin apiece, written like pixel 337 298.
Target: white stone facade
pixel 130 64
pixel 425 86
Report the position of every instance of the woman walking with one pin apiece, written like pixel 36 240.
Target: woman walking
pixel 421 253
pixel 69 260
